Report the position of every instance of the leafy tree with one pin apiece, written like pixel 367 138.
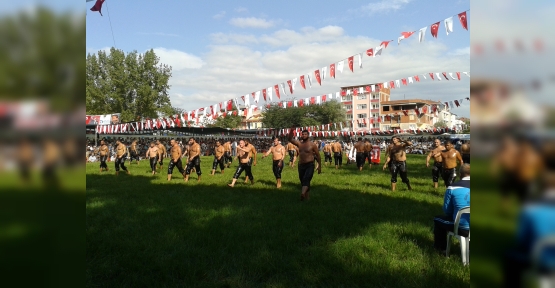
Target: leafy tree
pixel 229 121
pixel 440 124
pixel 133 84
pixel 325 113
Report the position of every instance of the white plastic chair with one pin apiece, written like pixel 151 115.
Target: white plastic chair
pixel 465 241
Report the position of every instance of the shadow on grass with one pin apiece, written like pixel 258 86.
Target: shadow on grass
pixel 196 234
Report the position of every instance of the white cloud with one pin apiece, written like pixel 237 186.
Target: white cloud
pixel 241 9
pixel 460 51
pixel 220 15
pixel 158 34
pixel 251 22
pixel 384 6
pixel 179 60
pixel 235 66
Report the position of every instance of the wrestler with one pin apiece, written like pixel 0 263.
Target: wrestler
pixel 219 152
pixel 134 152
pixel 465 151
pixel 449 156
pixel 367 152
pixel 152 155
pixel 227 153
pixel 252 156
pixel 327 153
pixel 161 153
pixel 307 153
pixel 278 154
pixel 397 156
pixel 175 159
pixel 360 155
pixel 193 159
pixel 121 153
pixel 243 156
pixel 292 149
pixel 337 156
pixel 103 151
pixel 437 170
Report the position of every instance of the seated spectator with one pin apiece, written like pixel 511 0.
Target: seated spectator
pixel 456 197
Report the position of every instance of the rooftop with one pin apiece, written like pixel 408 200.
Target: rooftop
pixel 409 101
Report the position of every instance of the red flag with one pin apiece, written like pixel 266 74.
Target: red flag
pixel 368 90
pixel 370 52
pixel 290 104
pixel 98 6
pixel 290 86
pixel 264 94
pixel 355 92
pixel 406 112
pixel 380 85
pixel 302 82
pixel 404 81
pixel 312 100
pixel 379 119
pixel 434 108
pixel 434 29
pixel 276 88
pixel 425 109
pixel 253 97
pixel 417 78
pixel 324 98
pixel 317 73
pixel 462 18
pixel 459 75
pixel 229 105
pixel 447 104
pixel 457 103
pixel 301 103
pixel 343 93
pixel 384 43
pixel 391 84
pixel 332 70
pixel 243 97
pixel 351 59
pixel 445 75
pixel 432 75
pixel 246 111
pixel 235 113
pixel 407 34
pixel 416 111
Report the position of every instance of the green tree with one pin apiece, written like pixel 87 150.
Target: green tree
pixel 229 121
pixel 440 124
pixel 328 112
pixel 134 85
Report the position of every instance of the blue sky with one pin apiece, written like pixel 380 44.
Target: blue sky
pixel 224 49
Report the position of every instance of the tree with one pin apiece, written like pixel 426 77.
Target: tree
pixel 440 124
pixel 325 113
pixel 229 121
pixel 134 85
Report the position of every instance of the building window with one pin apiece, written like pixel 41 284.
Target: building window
pixel 348 98
pixel 362 106
pixel 361 116
pixel 348 107
pixel 350 116
pixel 412 127
pixel 361 125
pixel 361 97
pixel 385 108
pixel 386 127
pixel 411 117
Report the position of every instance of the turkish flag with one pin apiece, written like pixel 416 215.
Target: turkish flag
pixel 370 52
pixel 351 63
pixel 290 104
pixel 87 119
pixel 445 75
pixel 332 70
pixel 435 28
pixel 459 75
pixel 324 98
pixel 98 6
pixel 301 103
pixel 432 75
pixel 384 43
pixel 404 81
pixel 391 84
pixel 380 85
pixel 246 111
pixel 276 88
pixel 462 18
pixel 355 92
pixel 317 73
pixel 264 94
pixel 407 34
pixel 406 112
pixel 425 109
pixel 416 111
pixel 312 100
pixel 302 82
pixel 417 78
pixel 229 105
pixel 343 93
pixel 253 95
pixel 290 86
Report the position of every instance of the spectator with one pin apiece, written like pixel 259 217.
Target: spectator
pixel 456 197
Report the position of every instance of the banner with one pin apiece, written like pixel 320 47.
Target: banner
pixel 108 119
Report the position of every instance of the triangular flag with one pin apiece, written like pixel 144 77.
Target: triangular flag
pixel 276 88
pixel 451 75
pixel 404 35
pixel 282 85
pixel 370 52
pixel 445 75
pixel 392 84
pixel 438 77
pixel 459 75
pixel 317 75
pixel 295 104
pixel 340 66
pixel 432 76
pixel 434 29
pixel 397 83
pixel 422 34
pixel 378 51
pixel 359 60
pixel 404 81
pixel 351 63
pixel 410 80
pixel 323 73
pixel 384 85
pixel 385 43
pixel 98 7
pixel 290 86
pixel 462 18
pixel 256 96
pixel 264 92
pixel 302 82
pixel 294 84
pixel 332 70
pixel 449 25
pixel 467 74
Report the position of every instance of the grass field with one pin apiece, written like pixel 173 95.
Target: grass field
pixel 143 231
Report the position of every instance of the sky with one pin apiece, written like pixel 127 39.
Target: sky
pixel 221 50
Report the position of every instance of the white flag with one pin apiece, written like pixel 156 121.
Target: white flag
pixel 399 40
pixel 269 93
pixel 282 85
pixel 360 90
pixel 247 100
pixel 359 60
pixel 378 50
pixel 467 74
pixel 451 74
pixel 318 100
pixel 410 80
pixel 329 97
pixel 424 75
pixel 205 112
pixel 422 34
pixel 449 25
pixel 256 96
pixel 306 101
pixel 340 66
pixel 294 83
pixel 295 103
pixel 385 85
pixel 373 87
pixel 397 83
pixel 349 92
pixel 309 80
pixel 323 73
pixel 337 95
pixel 438 77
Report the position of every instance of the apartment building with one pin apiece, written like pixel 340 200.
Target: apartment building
pixel 364 108
pixel 412 114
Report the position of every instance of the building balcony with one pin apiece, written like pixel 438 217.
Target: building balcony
pixel 374 100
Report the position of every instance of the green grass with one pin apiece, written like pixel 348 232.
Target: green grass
pixel 143 231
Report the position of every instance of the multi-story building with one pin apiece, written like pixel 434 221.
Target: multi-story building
pixel 395 117
pixel 364 108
